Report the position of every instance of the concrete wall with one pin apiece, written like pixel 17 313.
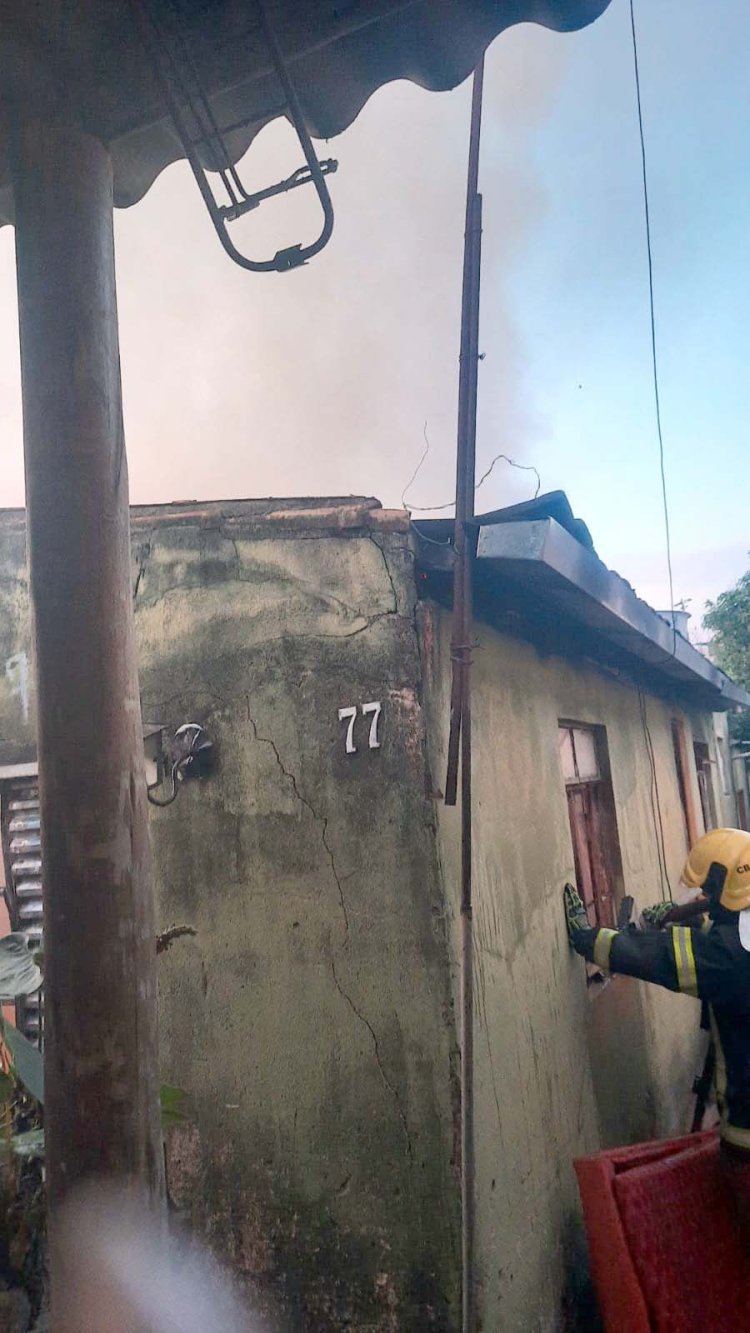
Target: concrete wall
pixel 311 1017
pixel 562 1069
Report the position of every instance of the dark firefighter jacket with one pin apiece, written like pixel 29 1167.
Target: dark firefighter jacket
pixel 710 963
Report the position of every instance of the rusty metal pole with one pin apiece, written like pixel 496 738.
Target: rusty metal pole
pixel 466 438
pixel 459 740
pixel 101 1060
pixel 467 929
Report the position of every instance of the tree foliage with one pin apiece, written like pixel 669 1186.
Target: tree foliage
pixel 728 619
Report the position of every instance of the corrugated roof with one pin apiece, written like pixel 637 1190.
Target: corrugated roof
pixel 338 54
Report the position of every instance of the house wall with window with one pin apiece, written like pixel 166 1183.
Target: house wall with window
pixel 565 1063
pixel 313 1018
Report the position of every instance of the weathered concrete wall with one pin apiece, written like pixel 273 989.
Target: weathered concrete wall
pixel 310 1019
pixel 561 1069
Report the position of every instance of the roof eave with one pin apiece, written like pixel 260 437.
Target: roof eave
pixel 541 555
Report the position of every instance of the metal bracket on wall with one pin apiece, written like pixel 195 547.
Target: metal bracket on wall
pixel 192 755
pixel 197 128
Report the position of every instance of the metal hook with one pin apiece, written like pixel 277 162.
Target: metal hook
pixel 154 786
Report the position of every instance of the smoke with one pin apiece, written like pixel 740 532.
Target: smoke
pixel 320 381
pixel 120 1269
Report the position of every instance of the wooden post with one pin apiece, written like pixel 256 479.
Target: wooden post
pixel 101 1060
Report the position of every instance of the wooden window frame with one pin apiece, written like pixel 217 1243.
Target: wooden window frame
pixel 682 765
pixel 594 833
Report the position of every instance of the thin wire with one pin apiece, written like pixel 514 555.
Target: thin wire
pixel 654 360
pixel 523 467
pixel 432 540
pixel 436 509
pixel 418 468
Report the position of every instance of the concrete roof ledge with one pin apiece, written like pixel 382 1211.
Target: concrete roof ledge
pixel 368 515
pixel 576 580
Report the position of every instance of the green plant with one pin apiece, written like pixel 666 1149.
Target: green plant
pixel 27 1066
pixel 21 1062
pixel 728 619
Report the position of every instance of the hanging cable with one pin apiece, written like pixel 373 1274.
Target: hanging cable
pixel 438 509
pixel 654 360
pixel 423 535
pixel 418 468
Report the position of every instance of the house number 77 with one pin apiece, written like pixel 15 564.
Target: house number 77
pixel 349 715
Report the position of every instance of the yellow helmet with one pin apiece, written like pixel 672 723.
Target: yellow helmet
pixel 729 848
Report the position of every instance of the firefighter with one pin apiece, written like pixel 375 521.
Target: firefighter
pixel 712 964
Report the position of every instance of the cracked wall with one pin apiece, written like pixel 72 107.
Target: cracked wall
pixel 311 1019
pixel 560 1071
pixel 311 1016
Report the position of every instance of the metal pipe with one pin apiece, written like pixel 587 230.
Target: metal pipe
pixel 101 1058
pixel 466 441
pixel 468 1201
pixel 459 744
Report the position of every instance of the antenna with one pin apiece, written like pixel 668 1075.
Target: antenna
pixel 198 129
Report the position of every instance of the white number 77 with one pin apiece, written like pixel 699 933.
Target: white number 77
pixel 375 709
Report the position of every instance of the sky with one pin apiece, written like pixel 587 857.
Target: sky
pixel 328 380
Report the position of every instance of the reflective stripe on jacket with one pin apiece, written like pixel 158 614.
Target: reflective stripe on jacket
pixel 710 964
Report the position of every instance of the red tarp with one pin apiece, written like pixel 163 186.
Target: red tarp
pixel 666 1256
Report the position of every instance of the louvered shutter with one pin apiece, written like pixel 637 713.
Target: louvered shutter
pixel 22 848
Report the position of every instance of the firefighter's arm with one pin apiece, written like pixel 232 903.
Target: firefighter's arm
pixel 681 958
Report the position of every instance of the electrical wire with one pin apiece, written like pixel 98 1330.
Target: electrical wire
pixel 432 540
pixel 522 467
pixel 654 786
pixel 652 315
pixel 418 468
pixel 437 509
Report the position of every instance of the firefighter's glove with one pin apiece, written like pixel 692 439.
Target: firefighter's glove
pixel 575 917
pixel 653 917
